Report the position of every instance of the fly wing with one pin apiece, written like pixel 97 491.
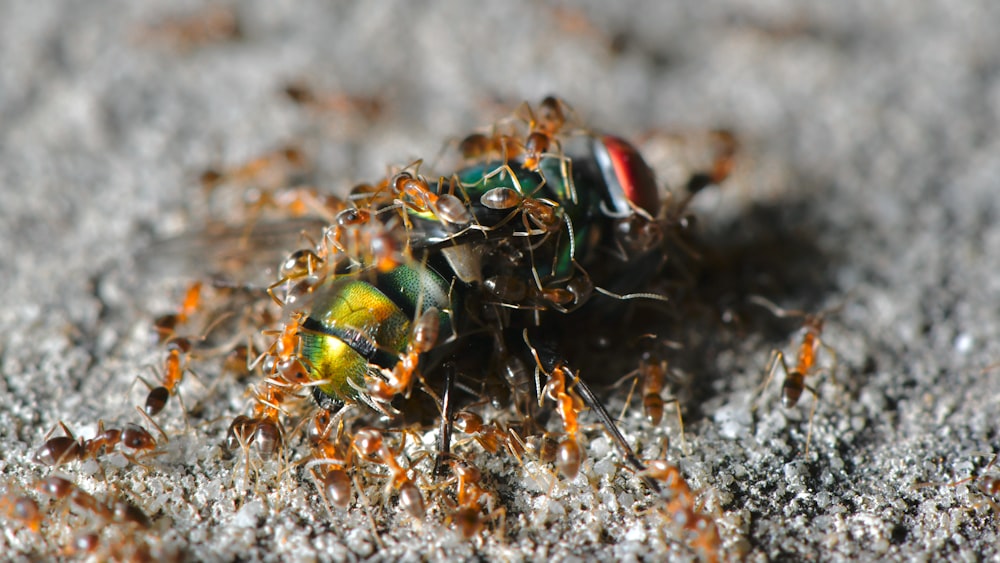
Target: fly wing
pixel 242 255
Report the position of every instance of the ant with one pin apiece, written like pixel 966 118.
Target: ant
pixel 481 146
pixel 988 485
pixel 358 238
pixel 369 444
pixel 264 432
pixel 334 454
pixel 120 512
pixel 24 509
pixel 651 376
pixel 568 453
pixel 370 108
pixel 216 24
pixel 423 337
pixel 488 435
pixel 681 507
pixel 540 211
pixel 282 357
pixel 65 449
pixel 174 366
pixel 264 428
pixel 413 192
pixel 287 374
pixel 178 348
pixel 299 266
pixel 550 119
pixel 468 507
pixel 272 170
pixel 236 360
pixel 805 365
pixel 165 326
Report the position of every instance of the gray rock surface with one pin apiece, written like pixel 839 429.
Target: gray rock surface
pixel 868 178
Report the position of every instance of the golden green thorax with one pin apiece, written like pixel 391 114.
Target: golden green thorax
pixel 350 325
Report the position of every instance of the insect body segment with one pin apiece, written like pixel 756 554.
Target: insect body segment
pixel 23 509
pixel 629 179
pixel 355 331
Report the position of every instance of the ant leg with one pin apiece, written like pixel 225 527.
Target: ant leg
pixel 501 514
pixel 153 422
pixel 616 436
pixel 776 360
pixel 447 419
pixel 967 479
pixel 833 361
pixel 680 423
pixel 180 400
pixel 628 399
pixel 812 414
pixel 985 493
pixel 65 429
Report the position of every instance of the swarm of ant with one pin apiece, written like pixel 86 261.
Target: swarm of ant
pixel 419 328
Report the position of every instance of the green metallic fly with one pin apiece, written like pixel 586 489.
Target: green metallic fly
pixel 446 299
pixel 415 269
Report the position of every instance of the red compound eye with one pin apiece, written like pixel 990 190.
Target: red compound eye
pixel 627 175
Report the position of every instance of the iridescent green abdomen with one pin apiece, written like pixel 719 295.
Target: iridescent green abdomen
pixel 355 327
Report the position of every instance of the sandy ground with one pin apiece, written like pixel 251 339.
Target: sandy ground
pixel 867 181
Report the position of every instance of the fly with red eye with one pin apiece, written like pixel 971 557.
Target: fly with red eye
pixel 435 299
pixel 541 234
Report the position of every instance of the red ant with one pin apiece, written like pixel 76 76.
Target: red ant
pixel 335 455
pixel 271 170
pixel 203 27
pixel 652 377
pixel 299 265
pixel 470 495
pixel 165 326
pixel 805 365
pixel 988 485
pixel 178 350
pixel 542 129
pixel 423 337
pixel 568 453
pixel 370 108
pixel 413 191
pixel 681 508
pixel 119 512
pixel 478 146
pixel 282 357
pixel 358 237
pixel 368 443
pixel 541 212
pixel 174 366
pixel 23 509
pixel 264 428
pixel 65 449
pixel 489 436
